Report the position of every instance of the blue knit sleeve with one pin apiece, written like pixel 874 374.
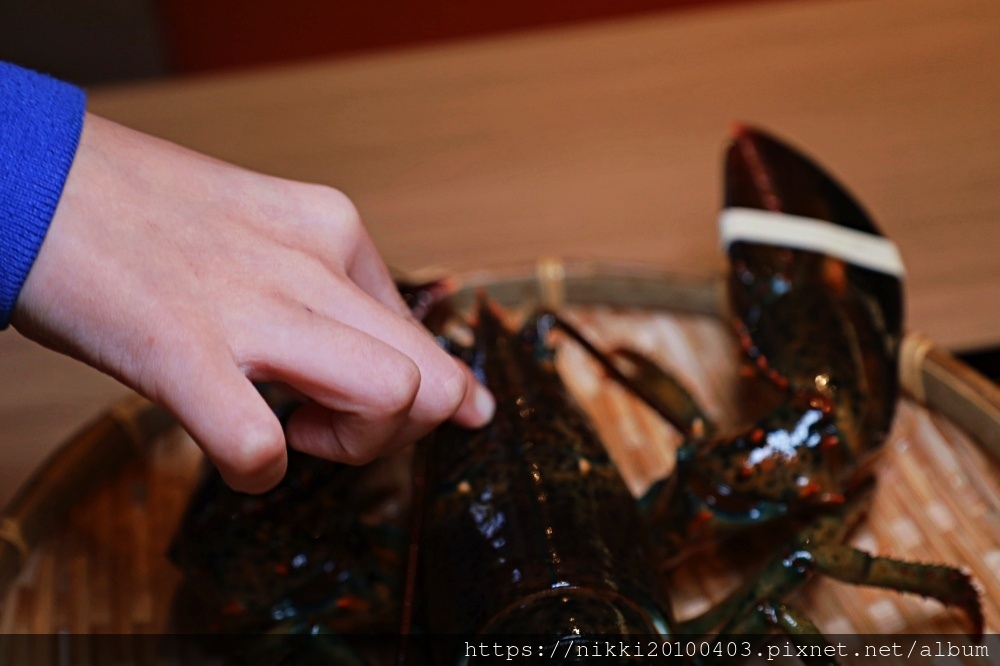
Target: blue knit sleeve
pixel 40 124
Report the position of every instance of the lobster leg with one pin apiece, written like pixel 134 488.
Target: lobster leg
pixel 690 508
pixel 659 389
pixel 816 550
pixel 663 392
pixel 793 623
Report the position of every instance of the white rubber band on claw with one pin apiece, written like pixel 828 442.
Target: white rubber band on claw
pixel 805 233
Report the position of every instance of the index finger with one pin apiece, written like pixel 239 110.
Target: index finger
pixel 369 272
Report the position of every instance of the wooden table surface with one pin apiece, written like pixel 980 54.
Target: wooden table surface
pixel 602 141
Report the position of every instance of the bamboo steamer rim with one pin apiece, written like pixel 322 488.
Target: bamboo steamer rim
pixel 928 373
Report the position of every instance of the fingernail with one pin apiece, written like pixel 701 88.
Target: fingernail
pixel 484 403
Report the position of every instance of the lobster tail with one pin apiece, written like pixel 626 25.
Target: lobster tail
pixel 576 613
pixel 528 523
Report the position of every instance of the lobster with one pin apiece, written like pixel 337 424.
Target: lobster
pixel 526 527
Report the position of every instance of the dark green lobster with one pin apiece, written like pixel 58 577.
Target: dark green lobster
pixel 525 527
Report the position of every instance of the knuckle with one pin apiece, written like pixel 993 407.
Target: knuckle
pixel 337 199
pixel 452 389
pixel 337 219
pixel 399 391
pixel 334 202
pixel 254 460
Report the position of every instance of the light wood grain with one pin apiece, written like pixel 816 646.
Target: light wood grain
pixel 604 141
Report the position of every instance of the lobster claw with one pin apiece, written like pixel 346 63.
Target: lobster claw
pixel 811 276
pixel 816 294
pixel 816 291
pixel 766 175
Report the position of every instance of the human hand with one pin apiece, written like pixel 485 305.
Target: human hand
pixel 187 279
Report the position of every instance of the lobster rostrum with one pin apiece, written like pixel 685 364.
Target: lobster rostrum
pixel 526 527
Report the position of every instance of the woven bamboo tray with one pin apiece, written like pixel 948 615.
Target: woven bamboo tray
pixel 82 545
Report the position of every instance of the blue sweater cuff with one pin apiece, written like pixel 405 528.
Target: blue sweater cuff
pixel 40 124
